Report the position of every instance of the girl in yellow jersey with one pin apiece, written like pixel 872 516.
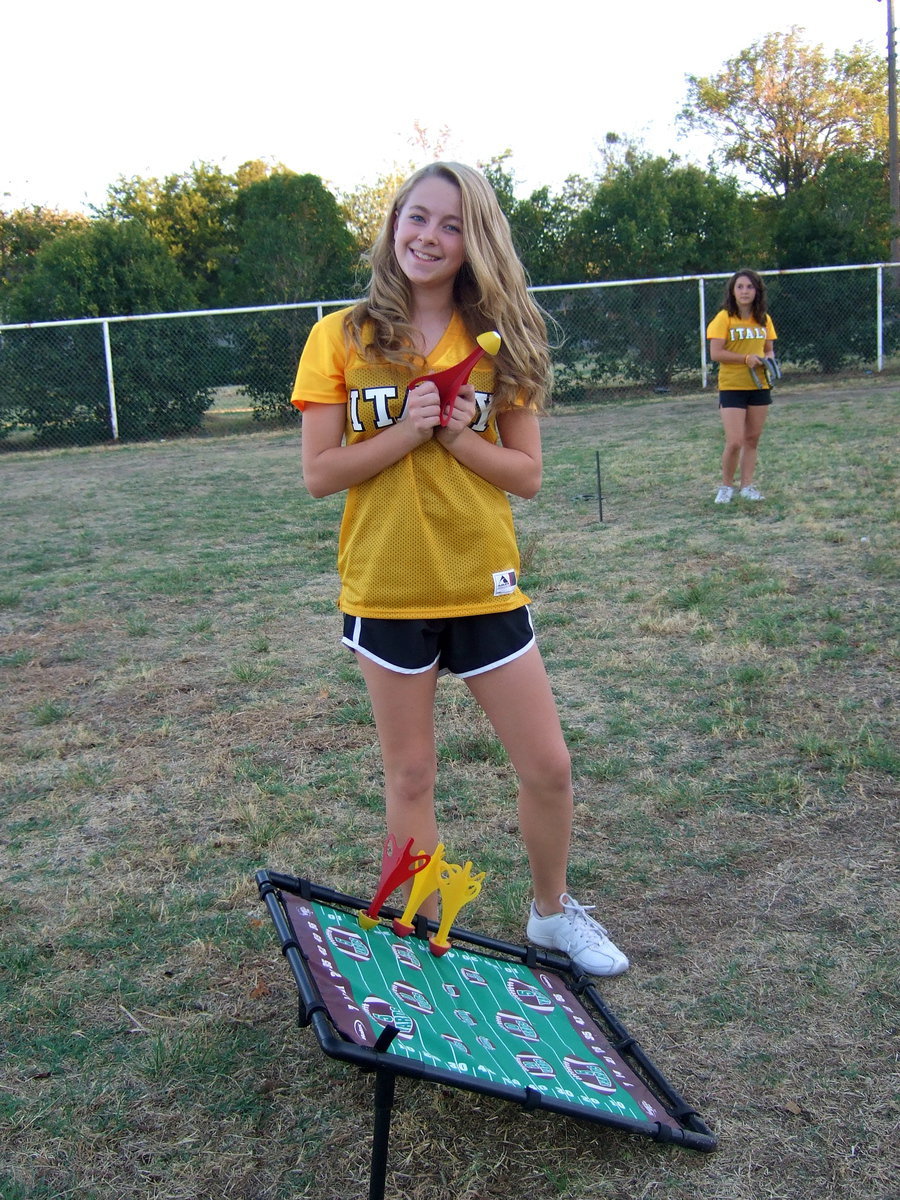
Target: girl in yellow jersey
pixel 427 557
pixel 741 337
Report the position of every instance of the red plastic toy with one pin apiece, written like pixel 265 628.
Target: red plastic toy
pixel 450 380
pixel 396 867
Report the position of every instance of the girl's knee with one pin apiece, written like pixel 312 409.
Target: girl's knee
pixel 550 775
pixel 412 780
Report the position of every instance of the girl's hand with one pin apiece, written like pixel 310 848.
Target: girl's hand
pixel 423 409
pixel 753 360
pixel 462 416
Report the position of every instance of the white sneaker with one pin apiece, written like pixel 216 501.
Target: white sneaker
pixel 724 494
pixel 751 493
pixel 581 937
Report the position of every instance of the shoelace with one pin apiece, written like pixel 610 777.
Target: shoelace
pixel 583 925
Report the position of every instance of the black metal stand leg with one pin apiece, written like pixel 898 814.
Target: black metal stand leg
pixel 384 1102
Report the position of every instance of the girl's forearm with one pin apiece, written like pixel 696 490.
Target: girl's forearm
pixel 730 356
pixel 336 468
pixel 506 467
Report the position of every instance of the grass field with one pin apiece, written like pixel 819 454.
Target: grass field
pixel 176 713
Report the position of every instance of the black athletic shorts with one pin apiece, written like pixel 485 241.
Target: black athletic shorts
pixel 740 398
pixel 462 646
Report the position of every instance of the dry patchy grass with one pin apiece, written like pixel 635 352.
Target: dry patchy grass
pixel 176 713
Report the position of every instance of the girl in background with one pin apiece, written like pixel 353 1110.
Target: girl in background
pixel 741 336
pixel 427 555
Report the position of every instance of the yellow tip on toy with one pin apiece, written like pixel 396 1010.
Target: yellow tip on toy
pixel 489 342
pixel 365 921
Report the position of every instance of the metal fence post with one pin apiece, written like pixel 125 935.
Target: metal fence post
pixel 879 291
pixel 110 383
pixel 703 369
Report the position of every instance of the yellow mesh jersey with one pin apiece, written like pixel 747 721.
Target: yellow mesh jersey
pixel 741 337
pixel 426 537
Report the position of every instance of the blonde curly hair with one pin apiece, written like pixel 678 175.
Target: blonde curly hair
pixel 490 292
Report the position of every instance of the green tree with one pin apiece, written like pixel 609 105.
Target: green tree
pixel 655 216
pixel 542 223
pixel 104 269
pixel 841 216
pixel 191 213
pixel 782 108
pixel 364 208
pixel 500 175
pixel 53 380
pixel 648 217
pixel 292 245
pixel 23 232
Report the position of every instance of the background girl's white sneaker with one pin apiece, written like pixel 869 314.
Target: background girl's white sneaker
pixel 751 493
pixel 581 937
pixel 724 494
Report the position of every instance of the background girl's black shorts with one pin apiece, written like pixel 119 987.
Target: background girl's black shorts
pixel 463 646
pixel 740 398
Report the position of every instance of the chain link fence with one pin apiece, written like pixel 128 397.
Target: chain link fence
pixel 70 383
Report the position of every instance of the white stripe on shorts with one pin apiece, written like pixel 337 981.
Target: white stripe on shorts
pixel 353 643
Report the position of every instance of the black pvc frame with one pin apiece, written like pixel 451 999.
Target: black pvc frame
pixel 692 1132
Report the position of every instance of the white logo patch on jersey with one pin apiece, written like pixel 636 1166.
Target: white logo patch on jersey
pixel 505 582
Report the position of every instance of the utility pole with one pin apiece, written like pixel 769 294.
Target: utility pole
pixel 893 172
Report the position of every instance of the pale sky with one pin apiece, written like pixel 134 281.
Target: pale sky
pixel 93 92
